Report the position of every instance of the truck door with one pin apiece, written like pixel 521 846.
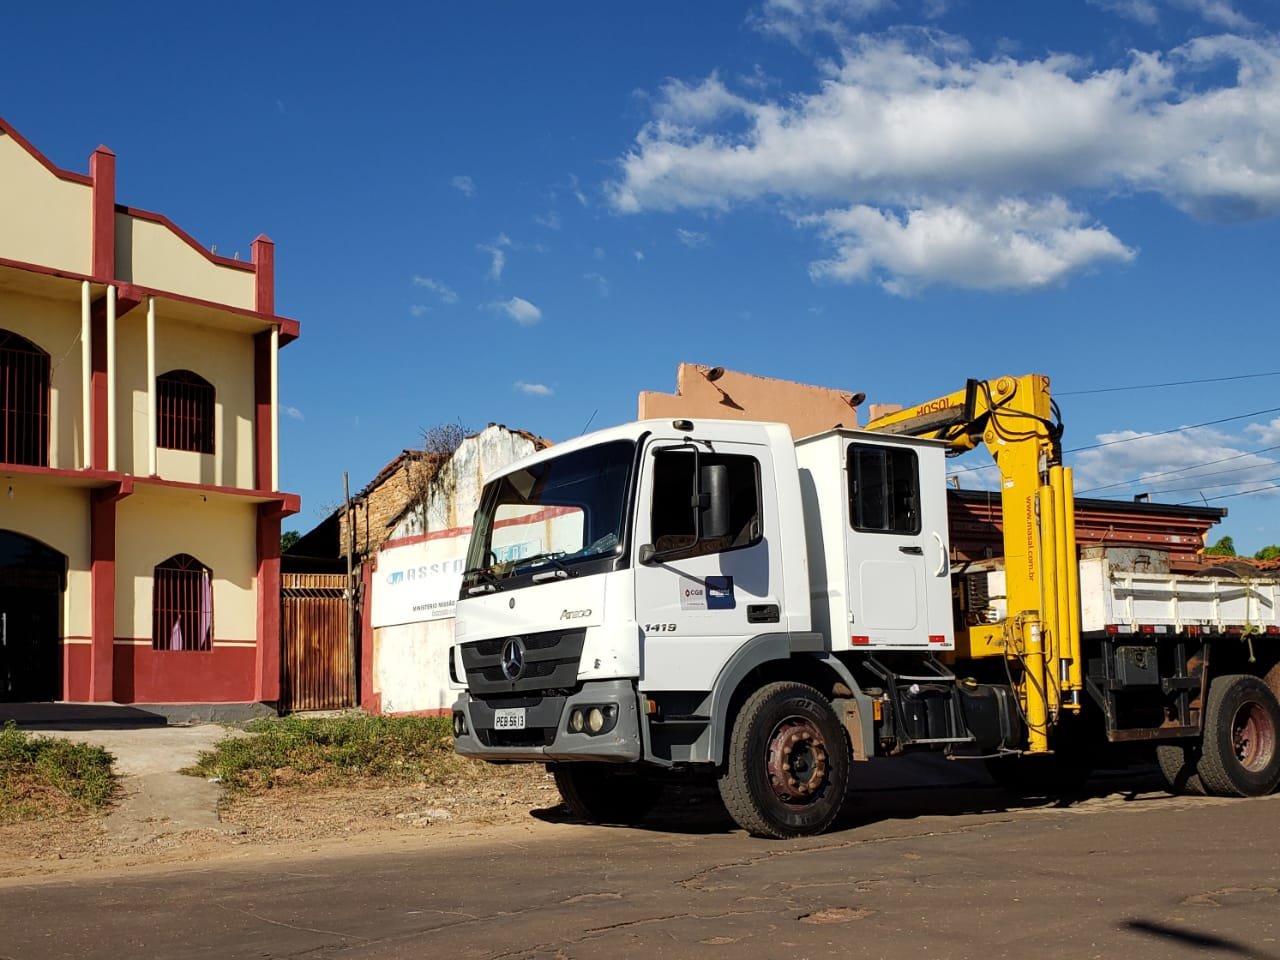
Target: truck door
pixel 699 599
pixel 899 576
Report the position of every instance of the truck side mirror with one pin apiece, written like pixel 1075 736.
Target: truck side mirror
pixel 713 501
pixel 647 553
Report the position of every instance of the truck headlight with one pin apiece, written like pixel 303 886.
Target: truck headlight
pixel 575 721
pixel 595 720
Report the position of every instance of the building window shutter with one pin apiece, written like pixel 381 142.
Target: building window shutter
pixel 184 411
pixel 24 401
pixel 182 605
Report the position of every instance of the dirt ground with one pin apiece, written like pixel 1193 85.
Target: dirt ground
pixel 286 815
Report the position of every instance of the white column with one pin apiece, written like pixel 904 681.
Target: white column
pixel 275 408
pixel 153 467
pixel 86 376
pixel 111 377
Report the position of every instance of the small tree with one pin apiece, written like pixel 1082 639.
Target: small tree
pixel 425 473
pixel 1225 547
pixel 1269 552
pixel 288 539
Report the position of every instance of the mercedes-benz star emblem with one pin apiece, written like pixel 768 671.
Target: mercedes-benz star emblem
pixel 513 659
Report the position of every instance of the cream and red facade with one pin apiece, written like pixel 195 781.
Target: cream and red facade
pixel 118 298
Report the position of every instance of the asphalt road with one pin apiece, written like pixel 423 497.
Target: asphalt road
pixel 917 873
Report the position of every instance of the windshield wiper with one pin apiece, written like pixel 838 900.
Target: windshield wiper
pixel 483 573
pixel 560 573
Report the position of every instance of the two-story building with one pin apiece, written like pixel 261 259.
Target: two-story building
pixel 139 458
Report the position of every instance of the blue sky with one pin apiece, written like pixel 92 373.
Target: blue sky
pixel 527 213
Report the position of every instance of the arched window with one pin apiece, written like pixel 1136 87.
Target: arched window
pixel 24 401
pixel 184 411
pixel 182 605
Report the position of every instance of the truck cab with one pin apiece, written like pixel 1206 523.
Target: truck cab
pixel 625 592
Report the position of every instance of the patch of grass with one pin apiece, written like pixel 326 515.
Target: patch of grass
pixel 47 776
pixel 326 751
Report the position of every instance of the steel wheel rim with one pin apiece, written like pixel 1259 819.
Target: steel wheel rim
pixel 1253 736
pixel 796 760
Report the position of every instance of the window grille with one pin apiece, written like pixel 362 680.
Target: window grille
pixel 184 411
pixel 182 605
pixel 24 401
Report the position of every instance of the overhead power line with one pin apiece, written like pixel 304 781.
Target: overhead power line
pixel 1165 433
pixel 1228 496
pixel 1170 383
pixel 1147 478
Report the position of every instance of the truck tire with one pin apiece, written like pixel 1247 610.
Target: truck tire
pixel 788 763
pixel 1177 763
pixel 1240 756
pixel 604 793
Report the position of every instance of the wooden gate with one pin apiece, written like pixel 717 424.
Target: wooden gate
pixel 315 669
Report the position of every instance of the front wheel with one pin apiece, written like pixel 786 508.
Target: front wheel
pixel 788 763
pixel 605 793
pixel 1240 756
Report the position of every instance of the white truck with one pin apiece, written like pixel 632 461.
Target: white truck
pixel 675 597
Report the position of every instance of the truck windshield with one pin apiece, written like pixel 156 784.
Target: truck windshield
pixel 552 517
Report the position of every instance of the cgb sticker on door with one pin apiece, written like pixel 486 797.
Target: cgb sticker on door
pixel 713 593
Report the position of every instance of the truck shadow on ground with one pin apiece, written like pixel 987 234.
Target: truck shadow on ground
pixel 885 792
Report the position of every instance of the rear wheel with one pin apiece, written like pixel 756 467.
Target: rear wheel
pixel 605 793
pixel 788 764
pixel 1177 762
pixel 1240 756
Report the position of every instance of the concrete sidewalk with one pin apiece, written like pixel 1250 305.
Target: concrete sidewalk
pixel 156 800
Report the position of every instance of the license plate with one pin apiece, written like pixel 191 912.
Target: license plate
pixel 511 718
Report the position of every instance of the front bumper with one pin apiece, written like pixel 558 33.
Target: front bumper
pixel 546 736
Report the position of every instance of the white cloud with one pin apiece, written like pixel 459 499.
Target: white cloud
pixel 293 413
pixel 638 254
pixel 601 282
pixel 1143 11
pixel 438 287
pixel 521 311
pixel 497 254
pixel 576 190
pixel 1175 467
pixel 1013 245
pixel 464 185
pixel 534 389
pixel 418 310
pixel 550 220
pixel 1220 13
pixel 912 121
pixel 793 20
pixel 598 253
pixel 691 238
pixel 1267 434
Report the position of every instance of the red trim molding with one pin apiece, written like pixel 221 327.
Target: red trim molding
pixel 264 266
pixel 267 665
pixel 102 171
pixel 102 554
pixel 185 237
pixel 262 410
pixel 48 165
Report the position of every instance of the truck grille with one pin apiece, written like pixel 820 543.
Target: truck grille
pixel 550 663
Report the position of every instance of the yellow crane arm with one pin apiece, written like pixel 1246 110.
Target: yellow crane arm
pixel 1015 418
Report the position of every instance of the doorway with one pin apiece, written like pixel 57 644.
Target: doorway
pixel 32 578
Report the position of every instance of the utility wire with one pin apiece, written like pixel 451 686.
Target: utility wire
pixel 1171 383
pixel 1164 433
pixel 1194 466
pixel 1211 486
pixel 1228 496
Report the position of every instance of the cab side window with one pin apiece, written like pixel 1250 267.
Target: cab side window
pixel 884 489
pixel 672 522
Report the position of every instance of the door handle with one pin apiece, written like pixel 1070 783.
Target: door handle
pixel 763 613
pixel 944 565
pixel 913 550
